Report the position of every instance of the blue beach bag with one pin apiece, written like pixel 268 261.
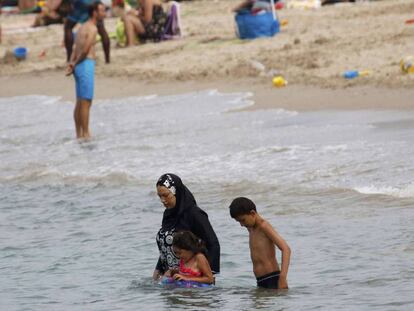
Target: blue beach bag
pixel 255 26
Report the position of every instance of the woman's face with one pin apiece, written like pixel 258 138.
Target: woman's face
pixel 166 197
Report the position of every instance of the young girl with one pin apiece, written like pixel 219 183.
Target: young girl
pixel 194 265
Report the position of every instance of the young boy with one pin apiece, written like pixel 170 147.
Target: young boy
pixel 262 241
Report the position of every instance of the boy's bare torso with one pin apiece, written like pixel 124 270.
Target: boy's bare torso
pixel 86 39
pixel 262 250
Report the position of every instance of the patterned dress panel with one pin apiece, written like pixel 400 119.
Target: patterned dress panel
pixel 164 241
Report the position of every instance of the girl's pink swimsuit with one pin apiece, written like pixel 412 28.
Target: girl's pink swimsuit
pixel 188 271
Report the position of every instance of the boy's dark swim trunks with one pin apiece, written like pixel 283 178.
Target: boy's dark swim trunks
pixel 270 280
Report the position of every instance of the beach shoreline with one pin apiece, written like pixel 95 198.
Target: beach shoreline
pixel 263 94
pixel 312 51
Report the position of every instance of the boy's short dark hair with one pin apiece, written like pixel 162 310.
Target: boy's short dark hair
pixel 93 7
pixel 241 206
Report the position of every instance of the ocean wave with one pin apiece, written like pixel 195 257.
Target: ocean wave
pixel 54 176
pixel 39 99
pixel 404 192
pixel 335 148
pixel 142 100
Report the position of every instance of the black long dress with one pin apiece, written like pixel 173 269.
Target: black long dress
pixel 186 215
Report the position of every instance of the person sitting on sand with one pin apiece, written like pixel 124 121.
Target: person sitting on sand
pixel 53 13
pixel 146 23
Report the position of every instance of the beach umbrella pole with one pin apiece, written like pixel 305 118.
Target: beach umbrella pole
pixel 272 2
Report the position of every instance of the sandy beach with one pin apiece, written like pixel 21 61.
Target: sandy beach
pixel 312 51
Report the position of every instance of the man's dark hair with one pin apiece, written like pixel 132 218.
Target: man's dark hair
pixel 93 7
pixel 241 206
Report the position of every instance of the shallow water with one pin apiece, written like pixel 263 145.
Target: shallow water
pixel 78 220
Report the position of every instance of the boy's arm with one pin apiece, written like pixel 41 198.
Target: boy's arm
pixel 284 248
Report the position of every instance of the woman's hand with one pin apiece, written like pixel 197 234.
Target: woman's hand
pixel 179 277
pixel 156 275
pixel 168 273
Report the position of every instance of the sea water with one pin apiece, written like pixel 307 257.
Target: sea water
pixel 78 219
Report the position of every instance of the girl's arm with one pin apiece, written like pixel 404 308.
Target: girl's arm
pixel 171 272
pixel 284 248
pixel 204 267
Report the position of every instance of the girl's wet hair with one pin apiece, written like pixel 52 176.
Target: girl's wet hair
pixel 189 241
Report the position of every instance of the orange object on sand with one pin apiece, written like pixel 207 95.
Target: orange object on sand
pixel 410 21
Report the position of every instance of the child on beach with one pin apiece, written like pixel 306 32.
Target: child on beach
pixel 194 265
pixel 262 241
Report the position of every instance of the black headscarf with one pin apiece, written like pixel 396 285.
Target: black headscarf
pixel 184 200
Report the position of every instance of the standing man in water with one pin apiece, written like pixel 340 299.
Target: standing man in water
pixel 82 66
pixel 79 14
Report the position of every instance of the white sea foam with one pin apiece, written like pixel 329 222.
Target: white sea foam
pixel 142 136
pixel 335 148
pixel 398 192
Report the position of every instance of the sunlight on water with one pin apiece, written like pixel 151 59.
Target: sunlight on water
pixel 78 220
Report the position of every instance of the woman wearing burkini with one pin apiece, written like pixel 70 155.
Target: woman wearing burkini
pixel 182 213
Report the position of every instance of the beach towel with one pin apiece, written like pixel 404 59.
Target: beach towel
pixel 172 29
pixel 304 4
pixel 251 26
